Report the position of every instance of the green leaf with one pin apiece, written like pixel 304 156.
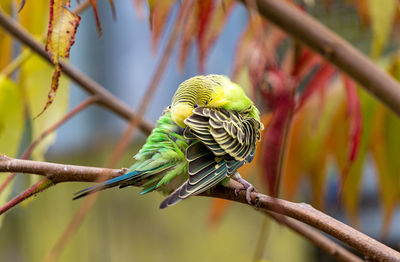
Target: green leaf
pixel 11 127
pixel 35 81
pixel 382 16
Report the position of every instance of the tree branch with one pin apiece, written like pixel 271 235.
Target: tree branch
pixel 335 49
pixel 106 99
pixel 58 173
pixel 305 213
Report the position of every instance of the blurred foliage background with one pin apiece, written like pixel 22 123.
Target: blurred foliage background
pixel 124 226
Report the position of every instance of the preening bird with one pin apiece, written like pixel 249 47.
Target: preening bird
pixel 210 130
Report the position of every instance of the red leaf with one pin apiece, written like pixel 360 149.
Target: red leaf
pixel 305 63
pixel 205 9
pixel 281 101
pixel 318 80
pixel 354 113
pixel 212 19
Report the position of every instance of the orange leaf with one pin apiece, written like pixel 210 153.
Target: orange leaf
pixel 160 11
pixel 114 13
pixel 308 142
pixel 93 3
pixel 60 38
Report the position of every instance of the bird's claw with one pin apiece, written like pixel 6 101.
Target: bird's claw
pixel 250 190
pixel 236 191
pixel 246 185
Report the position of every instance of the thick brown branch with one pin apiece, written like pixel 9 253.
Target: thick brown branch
pixel 335 49
pixel 369 247
pixel 106 99
pixel 303 212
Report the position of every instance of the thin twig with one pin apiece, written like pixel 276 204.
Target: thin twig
pixel 106 99
pixel 305 213
pixel 48 131
pixel 334 48
pixel 40 186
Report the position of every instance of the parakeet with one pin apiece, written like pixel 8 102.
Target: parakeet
pixel 210 130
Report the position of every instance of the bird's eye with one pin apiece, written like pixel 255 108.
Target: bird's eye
pixel 195 106
pixel 206 103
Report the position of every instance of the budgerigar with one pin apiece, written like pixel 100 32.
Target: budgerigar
pixel 210 130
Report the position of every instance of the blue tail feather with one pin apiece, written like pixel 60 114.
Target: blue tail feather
pixel 107 184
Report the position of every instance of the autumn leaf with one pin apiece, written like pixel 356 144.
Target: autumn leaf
pixel 318 80
pixel 61 36
pixel 160 11
pixel 281 102
pixel 309 141
pixel 11 127
pixel 385 150
pixel 382 16
pixel 93 3
pixel 212 19
pixel 6 47
pixel 188 31
pixel 34 81
pixel 355 118
pixel 352 183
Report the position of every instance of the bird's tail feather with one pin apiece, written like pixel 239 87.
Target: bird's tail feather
pixel 107 184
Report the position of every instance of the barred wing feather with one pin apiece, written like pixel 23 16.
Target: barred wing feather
pixel 222 141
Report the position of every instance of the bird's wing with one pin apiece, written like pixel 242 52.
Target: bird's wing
pixel 225 132
pixel 222 142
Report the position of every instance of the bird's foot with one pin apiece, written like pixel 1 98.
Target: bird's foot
pixel 247 186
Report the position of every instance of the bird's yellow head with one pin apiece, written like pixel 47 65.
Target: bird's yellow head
pixel 181 111
pixel 215 91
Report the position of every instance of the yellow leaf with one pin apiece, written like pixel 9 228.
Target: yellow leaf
pixel 61 36
pixel 35 81
pixel 382 15
pixel 385 150
pixel 11 126
pixel 34 16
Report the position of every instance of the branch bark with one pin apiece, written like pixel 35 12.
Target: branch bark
pixel 305 213
pixel 106 99
pixel 334 48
